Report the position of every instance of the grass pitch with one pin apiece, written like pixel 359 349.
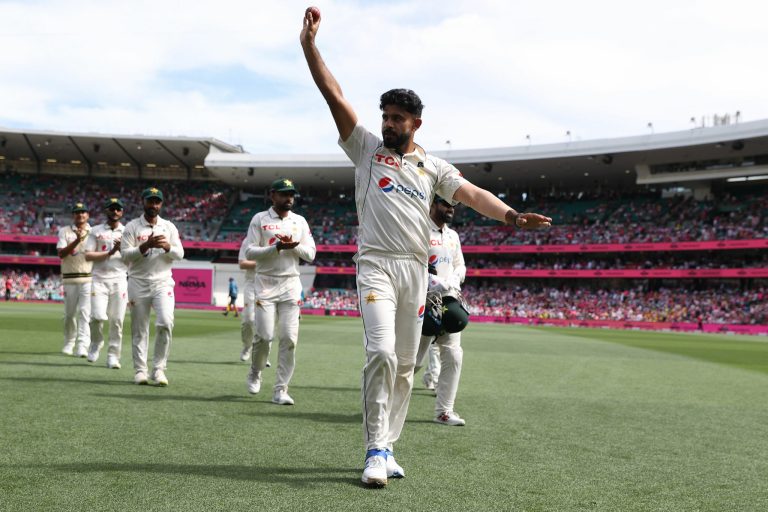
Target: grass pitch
pixel 557 419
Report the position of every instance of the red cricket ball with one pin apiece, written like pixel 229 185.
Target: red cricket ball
pixel 315 13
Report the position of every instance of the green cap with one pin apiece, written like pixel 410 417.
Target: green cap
pixel 113 201
pixel 439 199
pixel 283 185
pixel 79 207
pixel 152 192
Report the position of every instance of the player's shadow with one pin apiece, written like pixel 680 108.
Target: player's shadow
pixel 327 388
pixel 294 476
pixel 40 363
pixel 319 417
pixel 18 353
pixel 224 363
pixel 180 398
pixel 58 380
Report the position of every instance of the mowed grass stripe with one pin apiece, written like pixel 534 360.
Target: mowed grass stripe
pixel 558 419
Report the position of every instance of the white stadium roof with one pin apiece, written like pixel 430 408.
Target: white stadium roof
pixel 698 154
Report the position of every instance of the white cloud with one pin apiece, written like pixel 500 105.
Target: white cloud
pixel 489 72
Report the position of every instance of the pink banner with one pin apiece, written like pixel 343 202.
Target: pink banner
pixel 612 324
pixel 193 285
pixel 30 260
pixel 654 273
pixel 336 270
pixel 715 245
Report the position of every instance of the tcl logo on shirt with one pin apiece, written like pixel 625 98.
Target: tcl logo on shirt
pixel 387 160
pixel 387 185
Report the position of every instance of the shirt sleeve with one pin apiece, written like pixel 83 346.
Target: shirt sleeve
pixel 177 250
pixel 449 179
pixel 306 249
pixel 129 249
pixel 62 241
pixel 359 143
pixel 254 250
pixel 243 247
pixel 90 242
pixel 459 268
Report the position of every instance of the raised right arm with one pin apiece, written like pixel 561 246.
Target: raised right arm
pixel 341 110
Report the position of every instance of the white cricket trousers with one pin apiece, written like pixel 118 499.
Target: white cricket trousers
pixel 448 368
pixel 276 298
pixel 432 370
pixel 247 314
pixel 391 291
pixel 143 295
pixel 77 315
pixel 108 302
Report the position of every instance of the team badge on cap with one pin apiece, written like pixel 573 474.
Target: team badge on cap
pixel 283 185
pixel 152 192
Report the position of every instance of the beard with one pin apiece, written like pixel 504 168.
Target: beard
pixel 284 207
pixel 394 141
pixel 151 213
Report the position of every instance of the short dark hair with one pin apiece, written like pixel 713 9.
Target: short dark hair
pixel 403 98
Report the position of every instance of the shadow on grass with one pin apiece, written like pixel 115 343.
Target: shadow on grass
pixel 226 363
pixel 296 476
pixel 41 363
pixel 310 416
pixel 17 353
pixel 74 381
pixel 182 398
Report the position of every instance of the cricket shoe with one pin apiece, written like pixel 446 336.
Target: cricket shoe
pixel 428 382
pixel 159 377
pixel 375 472
pixel 281 397
pixel 92 357
pixel 450 418
pixel 245 354
pixel 253 381
pixel 113 363
pixel 394 470
pixel 69 349
pixel 140 378
pixel 81 351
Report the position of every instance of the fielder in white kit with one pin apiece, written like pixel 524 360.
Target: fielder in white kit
pixel 277 238
pixel 76 276
pixel 395 182
pixel 248 314
pixel 149 247
pixel 446 258
pixel 109 295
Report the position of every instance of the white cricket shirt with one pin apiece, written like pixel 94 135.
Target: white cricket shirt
pixel 102 238
pixel 446 256
pixel 250 273
pixel 393 194
pixel 262 237
pixel 156 264
pixel 74 268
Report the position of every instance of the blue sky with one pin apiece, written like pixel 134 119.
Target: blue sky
pixel 489 72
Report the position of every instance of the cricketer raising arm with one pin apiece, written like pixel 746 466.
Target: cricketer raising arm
pixel 395 181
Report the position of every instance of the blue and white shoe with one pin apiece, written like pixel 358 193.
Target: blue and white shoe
pixel 394 470
pixel 375 472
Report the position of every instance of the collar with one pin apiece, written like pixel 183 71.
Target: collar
pixel 273 214
pixel 145 222
pixel 434 226
pixel 417 155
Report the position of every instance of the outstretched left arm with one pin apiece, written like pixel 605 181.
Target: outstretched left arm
pixel 492 207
